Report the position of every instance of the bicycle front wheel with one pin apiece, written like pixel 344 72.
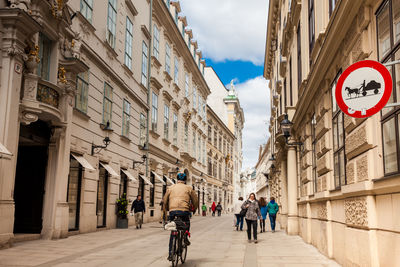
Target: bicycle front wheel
pixel 184 252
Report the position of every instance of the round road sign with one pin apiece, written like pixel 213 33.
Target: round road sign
pixel 363 89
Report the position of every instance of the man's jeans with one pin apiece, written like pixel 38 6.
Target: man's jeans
pixel 139 218
pixel 239 219
pixel 185 215
pixel 272 219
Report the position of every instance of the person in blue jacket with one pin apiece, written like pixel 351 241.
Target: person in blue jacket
pixel 263 209
pixel 273 209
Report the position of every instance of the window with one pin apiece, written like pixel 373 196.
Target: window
pixel 111 22
pixel 204 151
pixel 314 154
pixel 215 169
pixel 339 156
pixel 152 195
pixel 209 135
pixel 143 129
pixel 156 42
pixel 128 43
pixel 186 85
pixel 123 184
pixel 332 5
pixel 168 59
pixel 285 93
pixel 74 193
pixel 190 43
pixel 82 86
pixel 175 126
pixel 176 16
pixel 154 112
pixel 311 26
pixel 209 166
pixel 194 144
pixel 45 44
pixel 200 107
pixel 194 98
pixel 144 63
pixel 388 30
pixel 176 70
pixel 141 188
pixel 215 137
pixel 199 147
pixel 299 78
pixel 126 118
pixel 224 147
pixel 290 83
pixel 87 9
pixel 186 139
pixel 102 193
pixel 107 104
pixel 204 110
pixel 168 3
pixel 220 143
pixel 166 122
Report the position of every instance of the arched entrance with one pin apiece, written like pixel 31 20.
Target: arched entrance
pixel 30 177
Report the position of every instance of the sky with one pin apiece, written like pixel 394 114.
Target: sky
pixel 231 35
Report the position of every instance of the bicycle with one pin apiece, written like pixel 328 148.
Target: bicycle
pixel 179 248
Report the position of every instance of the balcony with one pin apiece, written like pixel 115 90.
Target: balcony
pixel 47 95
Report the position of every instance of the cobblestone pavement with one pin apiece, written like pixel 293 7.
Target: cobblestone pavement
pixel 214 243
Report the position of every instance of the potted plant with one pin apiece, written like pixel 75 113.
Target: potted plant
pixel 122 212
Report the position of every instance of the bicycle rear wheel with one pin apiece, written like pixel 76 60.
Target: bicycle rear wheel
pixel 183 253
pixel 175 256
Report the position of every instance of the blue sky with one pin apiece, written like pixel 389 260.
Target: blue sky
pixel 239 69
pixel 231 35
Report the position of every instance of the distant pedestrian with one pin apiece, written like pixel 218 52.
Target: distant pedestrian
pixel 253 212
pixel 213 206
pixel 273 209
pixel 219 208
pixel 204 209
pixel 139 209
pixel 239 218
pixel 263 210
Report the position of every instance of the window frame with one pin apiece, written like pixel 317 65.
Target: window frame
pixel 88 7
pixel 154 112
pixel 128 45
pixel 166 122
pixel 83 97
pixel 145 50
pixel 176 70
pixel 156 42
pixel 299 64
pixel 126 113
pixel 186 85
pixel 311 26
pixel 107 98
pixel 113 24
pixel 175 129
pixel 167 58
pixel 142 129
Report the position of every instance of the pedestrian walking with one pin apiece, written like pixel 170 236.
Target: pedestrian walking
pixel 204 209
pixel 219 208
pixel 213 206
pixel 252 213
pixel 239 217
pixel 263 210
pixel 272 209
pixel 139 209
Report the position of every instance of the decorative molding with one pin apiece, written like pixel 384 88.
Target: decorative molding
pixel 145 31
pixel 131 7
pixel 356 211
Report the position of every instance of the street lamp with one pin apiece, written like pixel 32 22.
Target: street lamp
pixel 144 157
pixel 286 126
pixel 106 142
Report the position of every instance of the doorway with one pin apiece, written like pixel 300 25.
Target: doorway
pixel 30 177
pixel 101 203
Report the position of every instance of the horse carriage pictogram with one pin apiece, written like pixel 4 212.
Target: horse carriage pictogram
pixel 371 86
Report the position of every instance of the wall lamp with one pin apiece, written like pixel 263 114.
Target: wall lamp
pixel 286 126
pixel 176 170
pixel 144 157
pixel 97 148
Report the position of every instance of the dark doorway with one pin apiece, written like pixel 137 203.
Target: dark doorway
pixel 101 204
pixel 74 193
pixel 30 177
pixel 123 184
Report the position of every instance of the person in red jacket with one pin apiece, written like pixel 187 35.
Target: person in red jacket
pixel 213 207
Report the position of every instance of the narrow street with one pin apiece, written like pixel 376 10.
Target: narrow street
pixel 214 243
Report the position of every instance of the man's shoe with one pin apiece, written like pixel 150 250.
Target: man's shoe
pixel 255 241
pixel 169 257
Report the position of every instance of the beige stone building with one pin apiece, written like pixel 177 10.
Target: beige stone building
pixel 339 189
pixel 262 171
pixel 220 142
pixel 97 99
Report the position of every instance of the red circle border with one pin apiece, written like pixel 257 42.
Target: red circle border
pixel 386 95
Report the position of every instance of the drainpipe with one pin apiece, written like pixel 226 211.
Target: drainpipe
pixel 148 86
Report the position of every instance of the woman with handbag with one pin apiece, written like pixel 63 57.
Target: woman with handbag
pixel 239 217
pixel 252 213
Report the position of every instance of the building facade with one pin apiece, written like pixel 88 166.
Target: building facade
pixel 262 172
pixel 97 99
pixel 220 142
pixel 338 189
pixel 226 105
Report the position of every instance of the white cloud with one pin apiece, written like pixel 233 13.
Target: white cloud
pixel 254 99
pixel 228 29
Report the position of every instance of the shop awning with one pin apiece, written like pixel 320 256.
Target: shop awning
pixel 158 178
pixel 109 169
pixel 4 151
pixel 85 164
pixel 130 176
pixel 146 180
pixel 169 179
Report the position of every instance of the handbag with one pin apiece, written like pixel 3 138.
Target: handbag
pixel 243 212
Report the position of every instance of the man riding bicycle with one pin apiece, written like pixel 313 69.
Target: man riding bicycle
pixel 177 200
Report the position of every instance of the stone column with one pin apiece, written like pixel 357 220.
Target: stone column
pixel 284 199
pixel 16 27
pixel 292 191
